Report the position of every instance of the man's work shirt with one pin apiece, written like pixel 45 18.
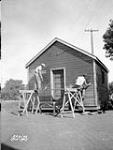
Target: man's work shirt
pixel 80 81
pixel 38 71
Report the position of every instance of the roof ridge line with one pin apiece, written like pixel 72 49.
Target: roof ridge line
pixel 67 44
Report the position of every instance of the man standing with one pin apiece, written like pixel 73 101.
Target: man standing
pixel 39 76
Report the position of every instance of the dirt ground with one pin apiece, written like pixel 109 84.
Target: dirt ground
pixel 46 132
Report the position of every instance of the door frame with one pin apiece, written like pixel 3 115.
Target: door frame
pixel 51 77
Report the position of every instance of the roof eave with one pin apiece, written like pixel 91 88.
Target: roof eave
pixel 42 51
pixel 68 44
pixel 61 41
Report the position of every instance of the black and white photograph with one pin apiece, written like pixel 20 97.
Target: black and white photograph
pixel 56 75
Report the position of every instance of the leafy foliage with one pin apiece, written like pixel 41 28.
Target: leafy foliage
pixel 108 40
pixel 110 88
pixel 11 89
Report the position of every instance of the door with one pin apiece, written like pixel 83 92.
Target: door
pixel 57 83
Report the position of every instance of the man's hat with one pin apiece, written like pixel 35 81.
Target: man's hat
pixel 85 74
pixel 43 65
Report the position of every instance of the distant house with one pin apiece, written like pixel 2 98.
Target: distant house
pixel 65 63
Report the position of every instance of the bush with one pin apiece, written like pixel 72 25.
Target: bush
pixel 11 89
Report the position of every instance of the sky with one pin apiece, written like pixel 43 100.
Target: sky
pixel 29 25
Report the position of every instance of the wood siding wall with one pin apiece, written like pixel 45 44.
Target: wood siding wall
pixel 75 64
pixel 102 84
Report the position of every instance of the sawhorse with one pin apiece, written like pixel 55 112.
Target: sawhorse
pixel 73 93
pixel 28 96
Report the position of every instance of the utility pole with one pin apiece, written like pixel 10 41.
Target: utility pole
pixel 91 37
pixel 94 64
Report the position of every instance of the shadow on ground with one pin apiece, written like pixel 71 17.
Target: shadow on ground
pixel 7 147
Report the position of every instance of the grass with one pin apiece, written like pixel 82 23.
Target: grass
pixel 45 132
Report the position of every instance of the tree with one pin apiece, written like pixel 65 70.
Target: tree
pixel 108 40
pixel 11 89
pixel 111 88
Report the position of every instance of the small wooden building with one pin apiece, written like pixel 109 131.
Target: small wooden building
pixel 65 63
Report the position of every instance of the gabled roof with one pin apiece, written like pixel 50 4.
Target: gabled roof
pixel 69 45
